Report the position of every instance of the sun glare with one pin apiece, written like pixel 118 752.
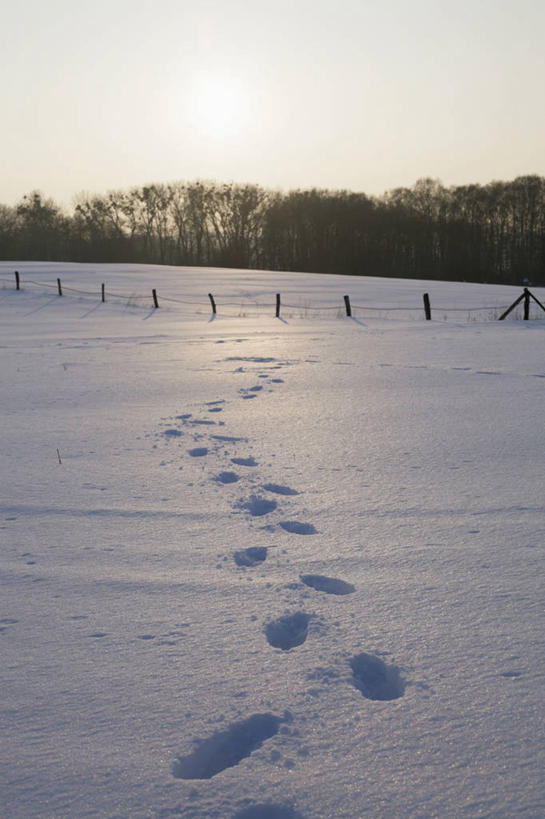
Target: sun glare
pixel 219 107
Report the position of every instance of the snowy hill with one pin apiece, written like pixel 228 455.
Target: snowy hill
pixel 269 568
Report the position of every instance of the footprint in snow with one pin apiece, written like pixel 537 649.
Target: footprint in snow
pixel 329 585
pixel 279 489
pixel 227 748
pixel 297 528
pixel 375 679
pixel 173 433
pixel 227 477
pixel 198 452
pixel 288 631
pixel 248 392
pixel 257 506
pixel 255 359
pixel 244 461
pixel 252 556
pixel 268 811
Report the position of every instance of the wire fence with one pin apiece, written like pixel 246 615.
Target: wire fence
pixel 245 306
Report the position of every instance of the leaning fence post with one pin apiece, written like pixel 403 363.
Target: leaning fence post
pixel 212 302
pixel 537 301
pixel 278 305
pixel 526 304
pixel 427 306
pixel 103 294
pixel 517 301
pixel 17 287
pixel 59 288
pixel 155 302
pixel 347 305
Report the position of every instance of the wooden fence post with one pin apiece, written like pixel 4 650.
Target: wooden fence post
pixel 526 304
pixel 59 288
pixel 212 302
pixel 427 306
pixel 517 301
pixel 278 305
pixel 537 301
pixel 103 294
pixel 347 305
pixel 155 302
pixel 17 287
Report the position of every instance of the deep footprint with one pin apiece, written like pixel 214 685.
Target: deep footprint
pixel 198 452
pixel 268 811
pixel 296 528
pixel 224 749
pixel 257 506
pixel 329 585
pixel 288 631
pixel 279 489
pixel 244 461
pixel 375 679
pixel 227 477
pixel 251 556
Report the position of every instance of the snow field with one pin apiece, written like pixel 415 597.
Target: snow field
pixel 284 569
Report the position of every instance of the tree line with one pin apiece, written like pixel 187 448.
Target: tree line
pixel 484 233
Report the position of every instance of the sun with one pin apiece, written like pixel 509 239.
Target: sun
pixel 219 106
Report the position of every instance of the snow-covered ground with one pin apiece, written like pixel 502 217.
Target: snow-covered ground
pixel 286 568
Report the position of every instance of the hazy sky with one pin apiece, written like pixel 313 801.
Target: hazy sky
pixel 360 94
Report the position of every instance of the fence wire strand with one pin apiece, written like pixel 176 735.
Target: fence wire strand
pixel 247 305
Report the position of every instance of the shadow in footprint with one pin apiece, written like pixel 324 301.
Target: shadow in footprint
pixel 329 585
pixel 198 452
pixel 244 461
pixel 224 749
pixel 268 812
pixel 375 679
pixel 297 528
pixel 251 556
pixel 288 631
pixel 257 506
pixel 279 489
pixel 227 477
